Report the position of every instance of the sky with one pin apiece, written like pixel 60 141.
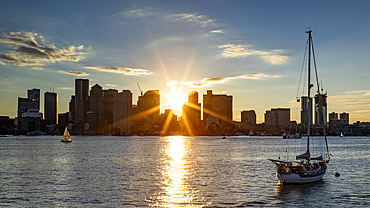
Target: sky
pixel 252 50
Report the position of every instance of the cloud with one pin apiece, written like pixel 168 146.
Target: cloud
pixel 27 51
pixel 110 85
pixel 2 63
pixel 76 73
pixel 171 83
pixel 216 31
pixel 139 12
pixel 272 57
pixel 207 82
pixel 122 70
pixel 194 18
pixel 37 68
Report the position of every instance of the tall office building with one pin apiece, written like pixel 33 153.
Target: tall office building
pixel 218 109
pixel 305 117
pixel 248 117
pixel 122 107
pixel 82 104
pixel 108 99
pixel 96 104
pixel 191 114
pixel 321 119
pixel 344 116
pixel 35 95
pixel 149 104
pixel 72 107
pixel 51 107
pixel 278 116
pixel 24 104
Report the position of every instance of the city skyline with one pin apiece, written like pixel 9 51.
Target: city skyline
pixel 252 51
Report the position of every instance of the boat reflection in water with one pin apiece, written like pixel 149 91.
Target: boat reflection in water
pixel 291 192
pixel 176 173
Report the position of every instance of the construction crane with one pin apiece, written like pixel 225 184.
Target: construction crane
pixel 141 92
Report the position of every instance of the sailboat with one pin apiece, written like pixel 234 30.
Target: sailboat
pixel 305 168
pixel 66 136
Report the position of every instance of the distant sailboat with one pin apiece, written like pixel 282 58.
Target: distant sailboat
pixel 341 134
pixel 304 169
pixel 66 136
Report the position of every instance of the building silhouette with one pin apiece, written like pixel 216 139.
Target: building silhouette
pixel 278 116
pixel 96 107
pixel 82 104
pixel 34 94
pixel 51 107
pixel 344 116
pixel 122 112
pixel 191 114
pixel 108 102
pixel 306 117
pixel 321 119
pixel 248 116
pixel 149 104
pixel 217 113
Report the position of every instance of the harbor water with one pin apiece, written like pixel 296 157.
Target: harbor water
pixel 108 171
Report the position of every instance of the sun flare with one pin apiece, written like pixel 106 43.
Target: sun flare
pixel 176 100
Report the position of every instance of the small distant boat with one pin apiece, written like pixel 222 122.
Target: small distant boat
pixel 341 134
pixel 294 136
pixel 66 136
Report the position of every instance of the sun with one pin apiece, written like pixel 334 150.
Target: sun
pixel 176 100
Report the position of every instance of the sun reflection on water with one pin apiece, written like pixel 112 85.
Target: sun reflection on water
pixel 176 173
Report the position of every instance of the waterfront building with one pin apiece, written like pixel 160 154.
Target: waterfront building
pixel 321 119
pixel 191 114
pixel 278 116
pixel 108 98
pixel 344 116
pixel 248 116
pixel 82 104
pixel 24 104
pixel 72 106
pixel 122 112
pixel 217 113
pixel 333 116
pixel 30 121
pixel 51 107
pixel 96 105
pixel 305 111
pixel 34 94
pixel 149 105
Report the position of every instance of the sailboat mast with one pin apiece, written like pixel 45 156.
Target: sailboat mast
pixel 309 91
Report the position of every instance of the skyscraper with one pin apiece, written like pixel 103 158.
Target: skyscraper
pixel 305 117
pixel 218 110
pixel 149 104
pixel 321 119
pixel 82 104
pixel 96 103
pixel 122 107
pixel 191 114
pixel 51 107
pixel 35 95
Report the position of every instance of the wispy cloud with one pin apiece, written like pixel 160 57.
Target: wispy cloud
pixel 27 51
pixel 37 68
pixel 110 85
pixel 272 57
pixel 76 73
pixel 194 18
pixel 143 12
pixel 199 19
pixel 216 31
pixel 171 83
pixel 121 70
pixel 207 82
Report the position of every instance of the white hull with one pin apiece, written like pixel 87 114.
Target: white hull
pixel 295 178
